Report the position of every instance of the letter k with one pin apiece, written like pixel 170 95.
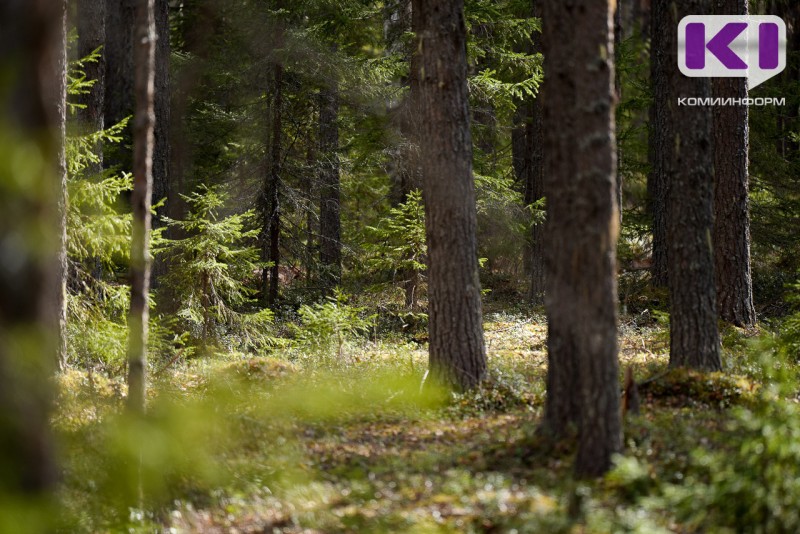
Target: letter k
pixel 719 45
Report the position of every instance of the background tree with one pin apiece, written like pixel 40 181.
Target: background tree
pixel 91 24
pixel 731 197
pixel 662 45
pixel 581 230
pixel 457 354
pixel 330 241
pixel 31 57
pixel 118 101
pixel 694 338
pixel 144 119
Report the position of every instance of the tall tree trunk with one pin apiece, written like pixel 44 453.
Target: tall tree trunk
pixel 694 339
pixel 59 102
pixel 118 101
pixel 91 36
pixel 662 51
pixel 330 247
pixel 270 201
pixel 526 149
pixel 457 353
pixel 161 105
pixel 404 167
pixel 31 57
pixel 144 122
pixel 731 204
pixel 581 230
pixel 620 27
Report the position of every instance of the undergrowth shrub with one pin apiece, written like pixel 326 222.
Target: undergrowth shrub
pixel 326 327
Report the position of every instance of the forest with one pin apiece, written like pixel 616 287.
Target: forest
pixel 424 266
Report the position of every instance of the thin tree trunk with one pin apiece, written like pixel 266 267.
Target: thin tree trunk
pixel 694 339
pixel 161 105
pixel 59 102
pixel 457 354
pixel 271 230
pixel 581 231
pixel 330 247
pixel 144 122
pixel 619 35
pixel 91 36
pixel 31 56
pixel 731 203
pixel 662 50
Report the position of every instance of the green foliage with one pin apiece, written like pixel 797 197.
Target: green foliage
pixel 397 242
pixel 327 326
pixel 209 270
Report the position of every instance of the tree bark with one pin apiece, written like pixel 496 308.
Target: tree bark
pixel 161 105
pixel 694 339
pixel 144 122
pixel 731 199
pixel 118 101
pixel 31 56
pixel 457 355
pixel 581 230
pixel 91 36
pixel 330 246
pixel 662 46
pixel 270 197
pixel 59 102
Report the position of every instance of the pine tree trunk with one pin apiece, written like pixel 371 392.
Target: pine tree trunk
pixel 143 127
pixel 694 339
pixel 59 102
pixel 662 46
pixel 161 104
pixel 330 246
pixel 457 354
pixel 31 56
pixel 270 202
pixel 731 203
pixel 91 36
pixel 118 101
pixel 581 230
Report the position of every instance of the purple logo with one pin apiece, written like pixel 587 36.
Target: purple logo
pixel 721 46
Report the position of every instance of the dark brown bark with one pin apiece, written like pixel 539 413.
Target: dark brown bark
pixel 143 126
pixel 621 25
pixel 457 354
pixel 694 339
pixel 330 245
pixel 161 104
pixel 91 36
pixel 118 101
pixel 663 41
pixel 731 199
pixel 529 168
pixel 31 56
pixel 270 197
pixel 581 230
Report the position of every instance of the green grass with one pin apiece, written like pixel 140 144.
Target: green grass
pixel 295 442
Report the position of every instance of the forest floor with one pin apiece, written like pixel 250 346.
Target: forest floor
pixel 352 443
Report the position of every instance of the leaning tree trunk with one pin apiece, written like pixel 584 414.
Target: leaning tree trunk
pixel 31 58
pixel 581 230
pixel 662 46
pixel 144 122
pixel 694 339
pixel 330 246
pixel 731 210
pixel 91 36
pixel 457 353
